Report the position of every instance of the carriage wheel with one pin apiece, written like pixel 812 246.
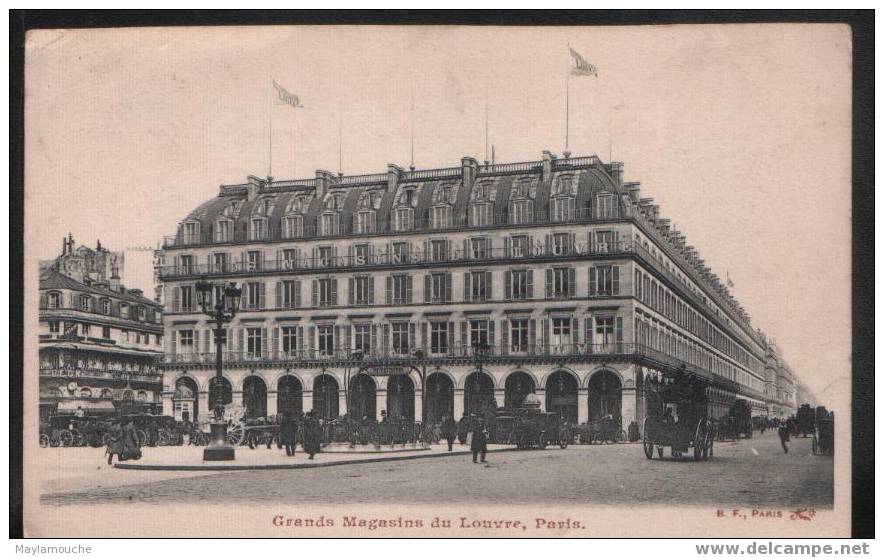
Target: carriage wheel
pixel 44 441
pixel 142 437
pixel 565 438
pixel 77 439
pixel 65 438
pixel 163 438
pixel 235 434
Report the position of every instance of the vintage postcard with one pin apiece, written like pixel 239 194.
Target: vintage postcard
pixel 438 281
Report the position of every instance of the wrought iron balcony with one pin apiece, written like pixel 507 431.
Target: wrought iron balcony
pixel 101 374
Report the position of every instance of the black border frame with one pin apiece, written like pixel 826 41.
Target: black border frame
pixel 862 23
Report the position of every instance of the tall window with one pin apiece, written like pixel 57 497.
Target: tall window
pixel 400 252
pixel 105 307
pixel 400 338
pixel 86 303
pixel 604 241
pixel 327 292
pixel 329 224
pixel 142 313
pixel 440 285
pixel 480 214
pixel 326 256
pixel 254 261
pixel 604 280
pixel 361 254
pixel 186 264
pixel 326 340
pixel 54 327
pixel 478 286
pixel 255 341
pixel 220 262
pixel 441 217
pixel 191 232
pixel 293 226
pixel 186 302
pixel 561 333
pixel 86 329
pixel 520 246
pixel 401 293
pixel 258 229
pixel 290 258
pixel 560 282
pixel 364 222
pixel 604 204
pixel 223 230
pixel 480 248
pixel 255 295
pixel 604 330
pixel 561 244
pixel 478 332
pixel 403 219
pixel 362 291
pixel 519 287
pixel 439 250
pixel 290 294
pixel 519 336
pixel 362 338
pixel 439 337
pixel 562 209
pixel 54 300
pixel 185 341
pixel 521 212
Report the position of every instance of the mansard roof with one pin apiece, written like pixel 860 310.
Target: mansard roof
pixel 51 279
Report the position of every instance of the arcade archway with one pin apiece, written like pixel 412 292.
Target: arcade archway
pixel 254 397
pixel 220 392
pixel 185 403
pixel 325 396
pixel 561 395
pixel 289 396
pixel 516 387
pixel 363 397
pixel 478 394
pixel 400 397
pixel 439 397
pixel 605 395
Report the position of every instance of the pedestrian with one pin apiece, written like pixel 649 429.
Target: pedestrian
pixel 479 444
pixel 80 413
pixel 449 430
pixel 288 434
pixel 783 431
pixel 312 435
pixel 114 442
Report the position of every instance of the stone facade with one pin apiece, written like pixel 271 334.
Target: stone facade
pixel 490 281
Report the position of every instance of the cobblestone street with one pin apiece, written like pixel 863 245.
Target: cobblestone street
pixel 747 473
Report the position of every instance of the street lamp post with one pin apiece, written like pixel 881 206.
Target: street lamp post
pixel 223 311
pixel 480 353
pixel 422 371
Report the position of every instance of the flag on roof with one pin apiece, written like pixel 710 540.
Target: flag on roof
pixel 580 66
pixel 729 282
pixel 286 97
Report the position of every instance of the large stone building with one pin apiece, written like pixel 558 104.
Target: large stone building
pixel 99 342
pixel 571 285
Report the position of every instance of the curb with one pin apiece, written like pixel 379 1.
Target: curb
pixel 146 467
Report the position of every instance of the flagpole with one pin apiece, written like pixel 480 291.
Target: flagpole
pixel 340 141
pixel 270 138
pixel 568 98
pixel 486 120
pixel 411 113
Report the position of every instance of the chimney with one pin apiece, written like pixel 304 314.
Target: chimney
pixel 324 180
pixel 617 173
pixel 633 189
pixel 470 169
pixel 254 187
pixel 394 173
pixel 664 225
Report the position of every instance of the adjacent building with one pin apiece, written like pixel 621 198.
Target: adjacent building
pixel 553 277
pixel 99 342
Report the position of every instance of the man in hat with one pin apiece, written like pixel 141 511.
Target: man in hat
pixel 479 444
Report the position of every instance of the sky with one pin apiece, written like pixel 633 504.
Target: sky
pixel 740 132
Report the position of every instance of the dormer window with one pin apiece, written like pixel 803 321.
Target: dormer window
pixel 334 202
pixel 521 204
pixel 293 226
pixel 54 300
pixel 403 219
pixel 86 303
pixel 105 306
pixel 223 230
pixel 440 217
pixel 258 229
pixel 190 232
pixel 562 204
pixel 565 186
pixel 124 310
pixel 604 206
pixel 480 214
pixel 329 224
pixel 364 222
pixel 142 313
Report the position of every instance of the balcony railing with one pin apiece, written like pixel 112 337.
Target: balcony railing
pixel 387 259
pixel 423 223
pixel 97 373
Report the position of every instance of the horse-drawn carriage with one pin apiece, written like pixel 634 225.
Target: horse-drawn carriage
pixel 823 432
pixel 606 429
pixel 72 431
pixel 676 417
pixel 805 421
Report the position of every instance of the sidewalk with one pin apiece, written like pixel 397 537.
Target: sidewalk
pixel 188 458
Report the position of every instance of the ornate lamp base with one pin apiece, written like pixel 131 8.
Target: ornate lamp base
pixel 219 449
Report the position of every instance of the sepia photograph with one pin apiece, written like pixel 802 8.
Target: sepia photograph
pixel 438 281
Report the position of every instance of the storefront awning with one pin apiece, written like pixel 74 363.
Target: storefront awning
pixel 70 407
